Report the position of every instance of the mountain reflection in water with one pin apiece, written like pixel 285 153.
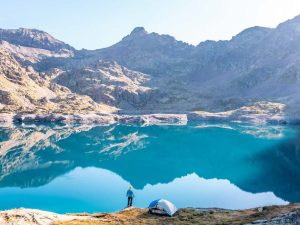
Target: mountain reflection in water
pixel 165 160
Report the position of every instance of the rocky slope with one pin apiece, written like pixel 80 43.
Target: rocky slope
pixel 30 56
pixel 109 83
pixel 25 90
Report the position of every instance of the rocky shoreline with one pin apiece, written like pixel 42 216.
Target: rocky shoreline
pixel 270 215
pixel 95 118
pixel 258 113
pixel 147 119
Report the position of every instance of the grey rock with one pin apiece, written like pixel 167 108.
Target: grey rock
pixel 291 218
pixel 109 83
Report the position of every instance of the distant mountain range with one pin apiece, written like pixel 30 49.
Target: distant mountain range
pixel 148 72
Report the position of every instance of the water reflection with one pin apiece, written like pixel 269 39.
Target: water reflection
pixel 101 190
pixel 256 159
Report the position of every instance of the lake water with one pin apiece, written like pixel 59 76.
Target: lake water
pixel 86 168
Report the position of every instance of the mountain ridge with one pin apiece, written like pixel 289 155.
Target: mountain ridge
pixel 33 38
pixel 257 65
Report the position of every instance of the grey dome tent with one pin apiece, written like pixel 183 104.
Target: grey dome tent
pixel 162 207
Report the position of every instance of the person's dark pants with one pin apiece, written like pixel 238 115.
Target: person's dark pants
pixel 129 201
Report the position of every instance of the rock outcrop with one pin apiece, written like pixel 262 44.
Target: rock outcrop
pixel 291 218
pixel 33 217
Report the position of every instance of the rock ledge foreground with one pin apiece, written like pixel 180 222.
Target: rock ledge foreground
pixel 270 215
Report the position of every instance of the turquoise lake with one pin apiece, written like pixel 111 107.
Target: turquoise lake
pixel 85 168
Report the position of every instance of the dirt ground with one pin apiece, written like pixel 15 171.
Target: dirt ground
pixel 185 216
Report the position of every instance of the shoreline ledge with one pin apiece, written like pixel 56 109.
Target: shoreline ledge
pixel 258 113
pixel 98 118
pixel 148 119
pixel 269 215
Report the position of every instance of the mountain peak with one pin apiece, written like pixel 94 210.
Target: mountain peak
pixel 32 38
pixel 138 31
pixel 292 24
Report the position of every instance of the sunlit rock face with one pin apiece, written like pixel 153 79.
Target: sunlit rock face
pixel 25 90
pixel 110 83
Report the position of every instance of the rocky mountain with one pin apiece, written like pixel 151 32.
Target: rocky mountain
pixel 251 57
pixel 257 64
pixel 150 53
pixel 148 72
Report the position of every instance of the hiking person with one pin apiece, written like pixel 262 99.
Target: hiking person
pixel 130 196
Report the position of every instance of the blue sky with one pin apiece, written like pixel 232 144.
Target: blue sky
pixel 95 24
